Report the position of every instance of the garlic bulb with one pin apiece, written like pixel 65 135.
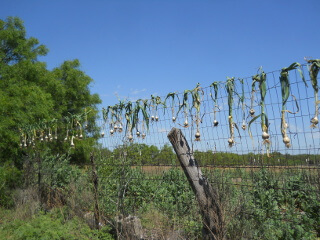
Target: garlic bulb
pixel 265 135
pixel 143 136
pixel 138 134
pixel 286 140
pixel 231 142
pixel 102 134
pixel 197 135
pixel 252 112
pixel 72 144
pixel 152 118
pixel 173 119
pixel 157 118
pixel 186 124
pixel 314 122
pixel 215 123
pixel 130 137
pixel 111 131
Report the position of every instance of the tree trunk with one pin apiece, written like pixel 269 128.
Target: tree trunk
pixel 210 208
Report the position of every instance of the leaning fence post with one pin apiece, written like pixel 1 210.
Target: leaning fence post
pixel 95 187
pixel 213 222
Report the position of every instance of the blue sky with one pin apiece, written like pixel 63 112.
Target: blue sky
pixel 133 49
pixel 143 47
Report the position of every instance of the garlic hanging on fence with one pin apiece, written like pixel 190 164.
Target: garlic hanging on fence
pixel 173 119
pixel 72 143
pixel 197 135
pixel 156 118
pixel 215 123
pixel 120 128
pixel 314 122
pixel 252 112
pixel 265 135
pixel 102 134
pixel 286 141
pixel 143 136
pixel 244 126
pixel 186 124
pixel 231 142
pixel 111 132
pixel 130 137
pixel 138 134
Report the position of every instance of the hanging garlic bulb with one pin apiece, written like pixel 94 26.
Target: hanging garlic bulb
pixel 115 127
pixel 138 134
pixel 152 118
pixel 231 142
pixel 25 141
pixel 252 112
pixel 157 118
pixel 197 135
pixel 186 124
pixel 286 140
pixel 265 135
pixel 81 136
pixel 72 144
pixel 173 119
pixel 244 126
pixel 130 138
pixel 215 123
pixel 314 122
pixel 143 136
pixel 102 134
pixel 111 131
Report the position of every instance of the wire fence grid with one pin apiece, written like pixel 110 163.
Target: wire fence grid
pixel 226 167
pixel 142 177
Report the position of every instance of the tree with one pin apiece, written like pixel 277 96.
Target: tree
pixel 30 93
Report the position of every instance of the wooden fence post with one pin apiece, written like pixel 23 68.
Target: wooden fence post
pixel 95 187
pixel 210 208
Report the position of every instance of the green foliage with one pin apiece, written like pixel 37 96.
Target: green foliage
pixel 10 178
pixel 30 93
pixel 58 170
pixel 51 226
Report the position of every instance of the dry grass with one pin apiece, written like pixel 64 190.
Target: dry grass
pixel 27 203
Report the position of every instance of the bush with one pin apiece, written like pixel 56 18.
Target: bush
pixel 52 226
pixel 10 178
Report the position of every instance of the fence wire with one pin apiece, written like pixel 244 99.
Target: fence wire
pixel 260 188
pixel 255 187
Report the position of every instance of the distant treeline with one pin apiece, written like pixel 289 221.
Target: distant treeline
pixel 143 154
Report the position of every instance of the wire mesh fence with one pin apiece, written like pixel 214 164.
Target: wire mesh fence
pixel 262 185
pixel 265 188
